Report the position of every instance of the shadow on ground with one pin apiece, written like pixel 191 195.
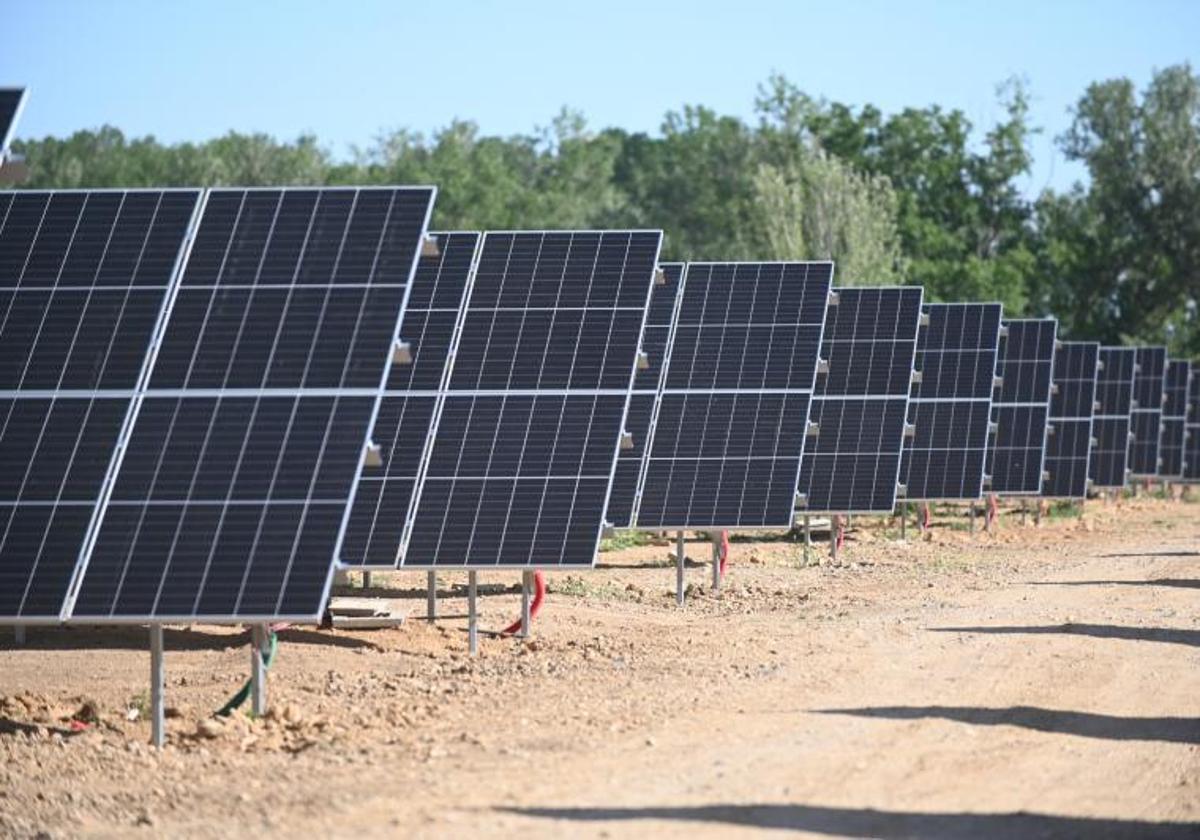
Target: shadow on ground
pixel 1167 635
pixel 868 822
pixel 1172 730
pixel 1181 583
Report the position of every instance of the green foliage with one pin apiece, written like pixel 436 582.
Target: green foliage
pixel 918 196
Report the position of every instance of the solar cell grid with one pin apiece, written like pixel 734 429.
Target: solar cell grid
pixel 84 278
pixel 230 500
pixel 383 504
pixel 1020 406
pixel 11 102
pixel 860 405
pixel 1146 413
pixel 1191 440
pixel 655 338
pixel 951 404
pixel 728 433
pixel 1071 408
pixel 527 434
pixel 1174 418
pixel 1109 457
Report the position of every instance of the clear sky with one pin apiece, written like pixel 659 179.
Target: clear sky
pixel 190 70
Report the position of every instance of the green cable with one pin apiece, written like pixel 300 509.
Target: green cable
pixel 244 693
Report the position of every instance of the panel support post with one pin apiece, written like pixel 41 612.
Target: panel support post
pixel 971 520
pixel 835 523
pixel 472 614
pixel 158 715
pixel 716 561
pixel 526 602
pixel 431 596
pixel 19 635
pixel 366 581
pixel 258 669
pixel 679 555
pixel 904 520
pixel 1024 508
pixel 807 539
pixel 1037 513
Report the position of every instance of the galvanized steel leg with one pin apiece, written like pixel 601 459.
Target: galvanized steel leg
pixel 834 522
pixel 679 554
pixel 526 604
pixel 472 615
pixel 366 580
pixel 904 520
pixel 716 561
pixel 431 595
pixel 258 670
pixel 807 540
pixel 19 634
pixel 158 716
pixel 971 519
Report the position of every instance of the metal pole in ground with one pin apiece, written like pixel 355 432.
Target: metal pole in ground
pixel 1024 508
pixel 258 669
pixel 807 541
pixel 1037 513
pixel 158 715
pixel 971 519
pixel 472 616
pixel 431 596
pixel 679 554
pixel 716 561
pixel 526 586
pixel 834 522
pixel 19 635
pixel 904 520
pixel 366 580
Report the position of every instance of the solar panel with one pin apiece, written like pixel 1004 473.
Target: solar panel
pixel 860 405
pixel 11 102
pixel 646 384
pixel 1174 418
pixel 1021 406
pixel 383 503
pixel 728 435
pixel 1191 436
pixel 1110 424
pixel 1146 414
pixel 527 434
pixel 1069 435
pixel 231 497
pixel 951 404
pixel 84 277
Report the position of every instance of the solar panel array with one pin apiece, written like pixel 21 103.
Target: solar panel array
pixel 230 498
pixel 728 434
pixel 527 435
pixel 84 278
pixel 1174 418
pixel 1110 424
pixel 1021 406
pixel 1069 436
pixel 1146 413
pixel 383 503
pixel 11 101
pixel 1191 436
pixel 860 405
pixel 642 403
pixel 951 405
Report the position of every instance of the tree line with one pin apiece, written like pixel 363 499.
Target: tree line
pixel 920 196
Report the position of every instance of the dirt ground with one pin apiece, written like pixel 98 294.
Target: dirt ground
pixel 1032 681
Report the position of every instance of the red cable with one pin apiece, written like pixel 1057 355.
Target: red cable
pixel 539 595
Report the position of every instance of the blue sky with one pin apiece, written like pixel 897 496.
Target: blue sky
pixel 347 70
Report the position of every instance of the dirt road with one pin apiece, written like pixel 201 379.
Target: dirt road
pixel 1030 682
